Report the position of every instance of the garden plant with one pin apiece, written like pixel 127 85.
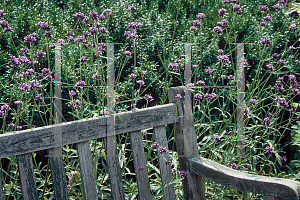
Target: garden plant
pixel 149 39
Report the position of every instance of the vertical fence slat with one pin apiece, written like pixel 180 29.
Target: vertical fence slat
pixel 138 155
pixel 87 171
pixel 25 166
pixel 186 142
pixel 1 185
pixel 165 170
pixel 58 174
pixel 114 169
pixel 55 155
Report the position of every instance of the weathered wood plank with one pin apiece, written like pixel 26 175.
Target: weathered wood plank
pixel 37 139
pixel 186 142
pixel 25 166
pixel 138 155
pixel 268 186
pixel 165 170
pixel 112 161
pixel 1 185
pixel 86 171
pixel 58 173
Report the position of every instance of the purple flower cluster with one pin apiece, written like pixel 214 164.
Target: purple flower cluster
pixel 218 30
pixel 270 67
pixel 196 23
pixel 294 83
pixel 224 58
pixel 237 8
pixel 217 138
pixel 246 112
pixel 233 166
pixel 94 15
pixel 162 149
pixel 269 149
pixel 253 101
pixel 182 174
pixel 132 76
pixel 3 108
pixel 83 59
pixel 44 26
pixel 40 54
pixel 266 41
pixel 178 96
pixel 80 83
pixel 154 145
pixel 128 53
pixel 5 26
pixel 131 8
pixel 223 22
pixel 16 62
pixel 134 25
pixel 282 102
pixel 222 12
pixel 75 104
pixel 149 98
pixel 31 38
pixel 174 66
pixel 276 7
pixel 267 121
pixel 231 77
pixel 38 97
pixel 200 15
pixel 264 8
pixel 209 70
pixel 275 56
pixel 80 39
pixel 101 48
pixel 140 168
pixel 281 62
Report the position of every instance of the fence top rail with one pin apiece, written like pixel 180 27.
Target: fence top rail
pixel 47 137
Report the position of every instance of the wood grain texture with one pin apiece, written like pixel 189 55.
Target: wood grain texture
pixel 165 170
pixel 1 185
pixel 25 166
pixel 113 164
pixel 87 171
pixel 37 139
pixel 138 155
pixel 186 142
pixel 58 173
pixel 268 186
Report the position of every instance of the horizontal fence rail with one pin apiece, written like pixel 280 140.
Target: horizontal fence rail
pixel 42 138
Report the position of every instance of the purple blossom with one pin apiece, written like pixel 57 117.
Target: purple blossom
pixel 268 18
pixel 263 23
pixel 94 15
pixel 249 167
pixel 267 121
pixel 78 15
pixel 127 53
pixel 31 38
pixel 270 115
pixel 222 12
pixel 253 101
pixel 107 11
pixel 178 96
pixel 223 22
pixel 266 41
pixel 48 34
pixel 40 54
pixel 132 76
pixel 233 1
pixel 46 71
pixel 102 30
pixel 80 39
pixel 236 7
pixel 193 28
pixel 293 26
pixel 75 104
pixel 281 62
pixel 264 8
pixel 275 56
pixel 200 15
pixel 154 145
pixel 225 1
pixel 291 56
pixel 93 30
pixel 270 66
pixel 174 170
pixel 131 8
pixel 127 33
pixel 220 51
pixel 141 82
pixel 80 83
pixel 24 50
pixel 149 98
pixel 198 97
pixel 2 14
pixel 52 46
pixel 246 112
pixel 61 41
pixel 134 25
pixel 168 162
pixel 70 33
pixel 83 59
pixel 231 77
pixel 89 44
pixel 200 82
pixel 133 36
pixel 23 86
pixel 143 72
pixel 217 138
pixel 276 7
pixel 33 85
pixel 162 149
pixel 5 107
pixel 217 29
pixel 18 102
pixel 291 47
pixel 196 23
pixel 44 26
pixel 182 174
pixel 38 97
pixel 24 59
pixel 140 168
pixel 224 58
pixel 209 70
pixel 269 149
pixel 86 34
pixel 86 20
pixel 101 17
